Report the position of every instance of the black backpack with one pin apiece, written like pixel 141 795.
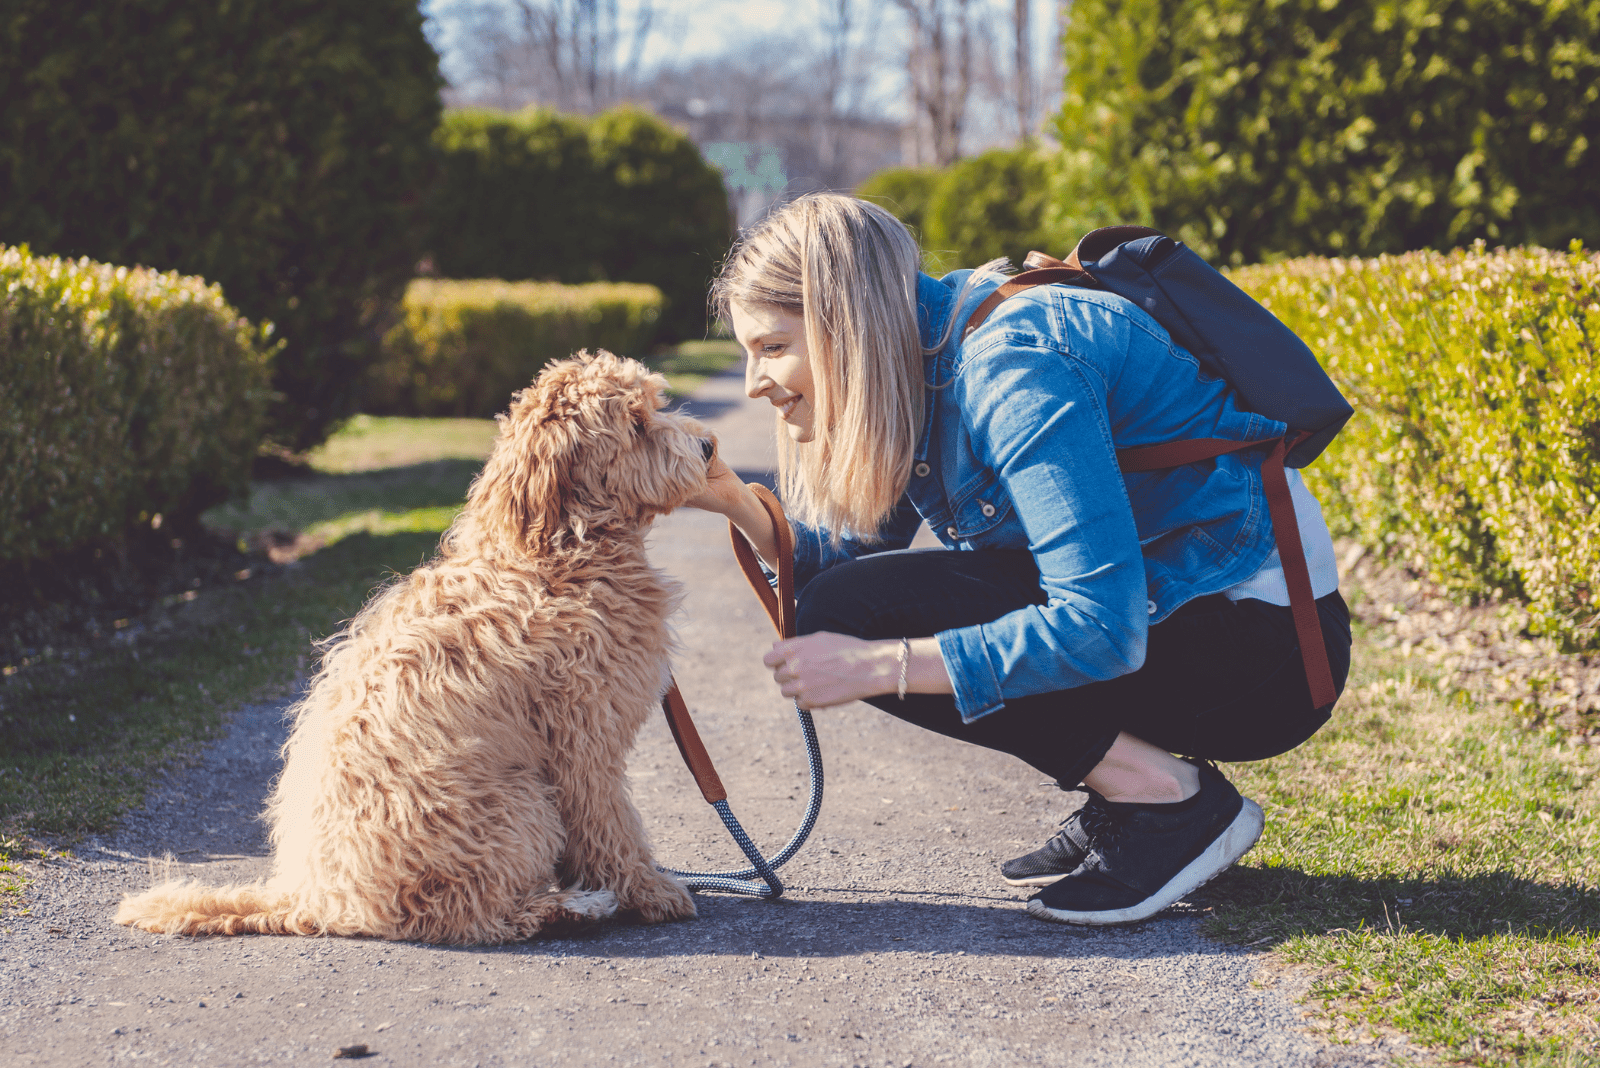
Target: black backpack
pixel 1274 373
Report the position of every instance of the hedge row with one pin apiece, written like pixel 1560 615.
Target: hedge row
pixel 462 347
pixel 540 196
pixel 1474 454
pixel 280 148
pixel 124 394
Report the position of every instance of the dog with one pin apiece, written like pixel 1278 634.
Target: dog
pixel 456 771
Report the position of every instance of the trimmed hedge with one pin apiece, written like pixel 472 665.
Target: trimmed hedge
pixel 124 394
pixel 462 347
pixel 540 196
pixel 279 148
pixel 1259 128
pixel 905 193
pixel 1474 453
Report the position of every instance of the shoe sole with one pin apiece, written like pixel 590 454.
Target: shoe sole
pixel 1218 857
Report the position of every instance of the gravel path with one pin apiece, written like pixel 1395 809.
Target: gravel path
pixel 897 945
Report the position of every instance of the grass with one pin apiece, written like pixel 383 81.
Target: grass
pixel 1433 862
pixel 1438 865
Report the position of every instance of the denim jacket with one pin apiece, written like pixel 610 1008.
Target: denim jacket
pixel 1018 451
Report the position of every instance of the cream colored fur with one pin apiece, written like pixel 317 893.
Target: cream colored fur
pixel 456 771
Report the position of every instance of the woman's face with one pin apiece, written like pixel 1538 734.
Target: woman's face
pixel 777 365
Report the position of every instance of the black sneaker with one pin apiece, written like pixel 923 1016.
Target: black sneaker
pixel 1143 858
pixel 1062 853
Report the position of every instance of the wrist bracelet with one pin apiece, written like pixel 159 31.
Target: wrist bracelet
pixel 905 666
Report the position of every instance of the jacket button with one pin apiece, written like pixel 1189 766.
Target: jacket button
pixel 950 531
pixel 987 509
pixel 921 470
pixel 1151 605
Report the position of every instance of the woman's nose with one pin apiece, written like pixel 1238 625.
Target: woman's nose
pixel 754 381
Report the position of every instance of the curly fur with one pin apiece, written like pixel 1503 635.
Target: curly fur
pixel 456 772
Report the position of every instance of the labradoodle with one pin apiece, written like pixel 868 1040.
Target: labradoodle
pixel 456 770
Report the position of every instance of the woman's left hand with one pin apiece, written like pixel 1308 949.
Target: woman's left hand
pixel 826 669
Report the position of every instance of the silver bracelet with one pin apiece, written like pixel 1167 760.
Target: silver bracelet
pixel 905 666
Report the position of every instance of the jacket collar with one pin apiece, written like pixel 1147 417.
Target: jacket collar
pixel 935 303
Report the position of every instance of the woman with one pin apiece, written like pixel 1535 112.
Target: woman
pixel 1093 623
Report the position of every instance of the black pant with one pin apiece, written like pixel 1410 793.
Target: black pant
pixel 1221 679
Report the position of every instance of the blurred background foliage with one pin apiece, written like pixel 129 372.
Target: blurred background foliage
pixel 279 148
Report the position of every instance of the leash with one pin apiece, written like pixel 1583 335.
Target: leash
pixel 779 604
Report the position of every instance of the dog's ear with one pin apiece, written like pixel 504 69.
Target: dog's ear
pixel 523 492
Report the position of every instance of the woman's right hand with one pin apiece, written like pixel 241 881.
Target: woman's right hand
pixel 726 495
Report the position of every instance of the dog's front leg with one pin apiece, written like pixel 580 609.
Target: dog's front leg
pixel 606 844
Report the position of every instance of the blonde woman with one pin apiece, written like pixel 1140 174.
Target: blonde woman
pixel 1091 623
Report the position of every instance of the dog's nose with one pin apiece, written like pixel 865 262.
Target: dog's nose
pixel 708 446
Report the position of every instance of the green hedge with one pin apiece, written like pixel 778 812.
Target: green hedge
pixel 904 192
pixel 124 394
pixel 1474 453
pixel 621 197
pixel 462 347
pixel 1260 128
pixel 276 147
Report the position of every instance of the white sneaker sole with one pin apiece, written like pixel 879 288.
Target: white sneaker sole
pixel 1219 856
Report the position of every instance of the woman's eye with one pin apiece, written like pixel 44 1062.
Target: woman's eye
pixel 772 349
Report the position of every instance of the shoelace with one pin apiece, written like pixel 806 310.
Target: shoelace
pixel 1101 823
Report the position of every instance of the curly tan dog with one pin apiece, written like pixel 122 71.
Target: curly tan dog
pixel 459 759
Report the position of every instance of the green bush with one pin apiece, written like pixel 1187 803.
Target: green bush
pixel 993 205
pixel 461 348
pixel 276 147
pixel 621 197
pixel 905 192
pixel 515 197
pixel 1260 128
pixel 124 394
pixel 1474 453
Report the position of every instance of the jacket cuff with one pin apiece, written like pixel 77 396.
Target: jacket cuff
pixel 966 659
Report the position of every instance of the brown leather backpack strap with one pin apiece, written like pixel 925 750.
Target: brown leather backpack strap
pixel 1297 576
pixel 1044 259
pixel 780 608
pixel 1285 531
pixel 1043 276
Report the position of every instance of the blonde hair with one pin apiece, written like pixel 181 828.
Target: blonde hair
pixel 849 269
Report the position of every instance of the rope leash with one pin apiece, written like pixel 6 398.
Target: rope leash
pixel 779 605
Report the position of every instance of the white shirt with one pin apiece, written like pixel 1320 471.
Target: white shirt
pixel 1268 583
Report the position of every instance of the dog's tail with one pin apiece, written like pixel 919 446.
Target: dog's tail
pixel 187 908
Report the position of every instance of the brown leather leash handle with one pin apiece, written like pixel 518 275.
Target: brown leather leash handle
pixel 1285 530
pixel 779 604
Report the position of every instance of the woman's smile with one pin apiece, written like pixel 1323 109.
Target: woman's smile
pixel 777 365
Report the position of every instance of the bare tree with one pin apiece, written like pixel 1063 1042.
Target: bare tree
pixel 939 66
pixel 575 55
pixel 1023 67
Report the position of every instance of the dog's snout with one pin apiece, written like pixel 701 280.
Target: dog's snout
pixel 708 447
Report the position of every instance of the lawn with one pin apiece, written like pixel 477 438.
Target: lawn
pixel 1431 859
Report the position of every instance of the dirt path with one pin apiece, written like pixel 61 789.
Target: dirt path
pixel 897 945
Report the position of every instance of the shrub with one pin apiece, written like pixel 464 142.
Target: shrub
pixel 462 347
pixel 1474 453
pixel 123 394
pixel 516 197
pixel 1261 128
pixel 904 191
pixel 276 147
pixel 992 205
pixel 620 197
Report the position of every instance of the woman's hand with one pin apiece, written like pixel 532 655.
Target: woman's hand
pixel 823 669
pixel 724 494
pixel 727 496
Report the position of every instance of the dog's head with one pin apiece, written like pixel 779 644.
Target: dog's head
pixel 586 449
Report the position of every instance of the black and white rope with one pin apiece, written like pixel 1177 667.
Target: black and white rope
pixel 740 881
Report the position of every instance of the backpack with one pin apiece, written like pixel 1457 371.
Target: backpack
pixel 1273 372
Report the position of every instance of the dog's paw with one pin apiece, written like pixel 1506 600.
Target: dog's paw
pixel 591 904
pixel 661 898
